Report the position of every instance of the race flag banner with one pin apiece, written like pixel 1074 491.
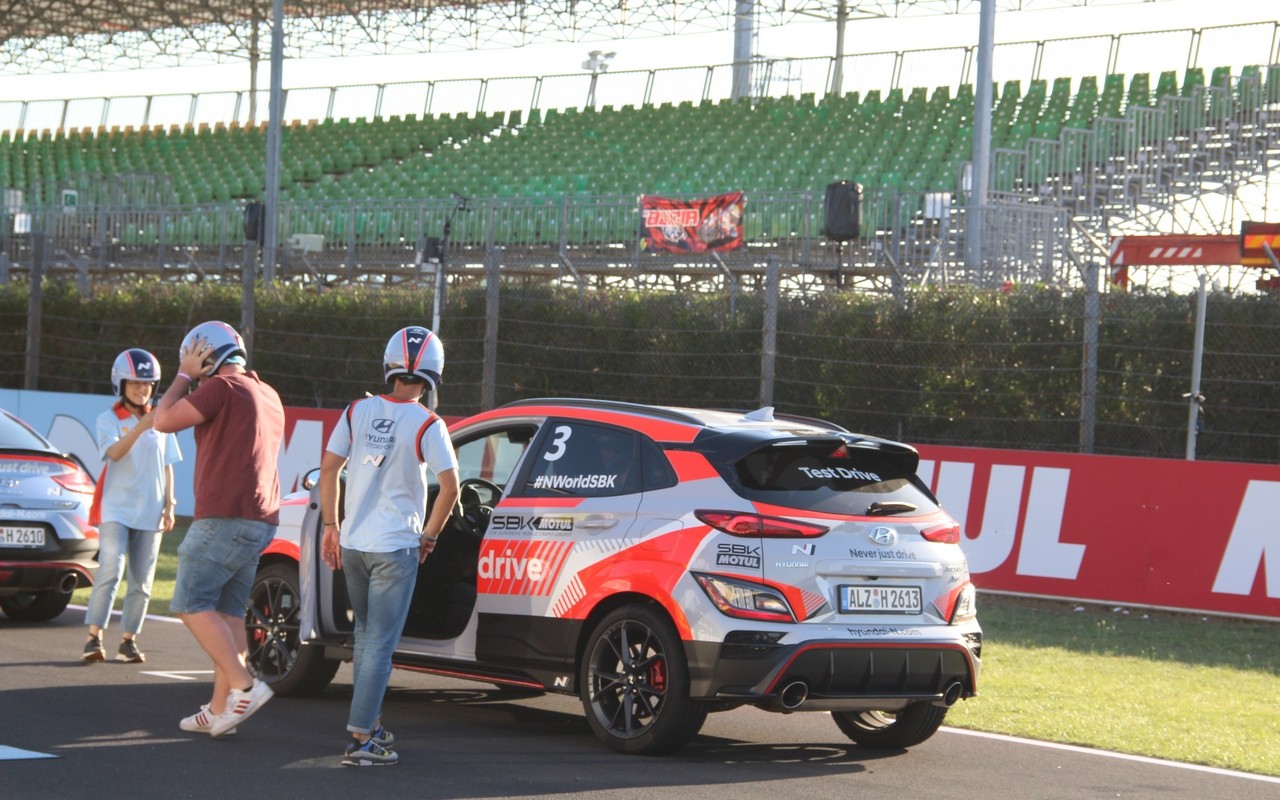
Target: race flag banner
pixel 692 226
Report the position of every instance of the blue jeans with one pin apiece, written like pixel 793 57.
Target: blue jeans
pixel 216 563
pixel 381 587
pixel 119 548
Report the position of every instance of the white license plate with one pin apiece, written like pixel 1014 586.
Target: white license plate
pixel 880 599
pixel 21 536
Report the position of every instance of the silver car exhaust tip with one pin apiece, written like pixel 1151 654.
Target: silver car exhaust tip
pixel 950 695
pixel 793 695
pixel 68 582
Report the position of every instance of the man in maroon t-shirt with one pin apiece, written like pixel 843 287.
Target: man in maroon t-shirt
pixel 239 423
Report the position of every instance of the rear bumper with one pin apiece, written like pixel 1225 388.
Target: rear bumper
pixel 836 675
pixel 50 569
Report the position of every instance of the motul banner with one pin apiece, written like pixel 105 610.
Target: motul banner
pixel 1186 535
pixel 692 226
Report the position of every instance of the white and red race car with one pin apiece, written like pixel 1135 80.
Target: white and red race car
pixel 663 563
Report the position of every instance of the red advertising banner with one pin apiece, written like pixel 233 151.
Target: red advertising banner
pixel 1186 535
pixel 692 226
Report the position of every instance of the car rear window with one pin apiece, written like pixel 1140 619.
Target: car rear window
pixel 832 477
pixel 14 435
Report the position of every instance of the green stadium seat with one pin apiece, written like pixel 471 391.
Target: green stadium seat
pixel 1192 81
pixel 1249 88
pixel 1271 93
pixel 1140 90
pixel 1221 95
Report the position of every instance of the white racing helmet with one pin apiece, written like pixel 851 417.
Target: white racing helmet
pixel 223 340
pixel 134 364
pixel 414 351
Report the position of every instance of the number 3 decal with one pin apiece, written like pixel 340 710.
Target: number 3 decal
pixel 557 444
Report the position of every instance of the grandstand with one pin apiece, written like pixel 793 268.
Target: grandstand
pixel 551 187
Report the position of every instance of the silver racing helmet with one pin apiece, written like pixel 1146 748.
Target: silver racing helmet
pixel 414 351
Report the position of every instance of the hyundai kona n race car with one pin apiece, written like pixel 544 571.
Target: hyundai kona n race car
pixel 47 546
pixel 661 564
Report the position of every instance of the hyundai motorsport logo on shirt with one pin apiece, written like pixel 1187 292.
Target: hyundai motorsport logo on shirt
pixel 379 437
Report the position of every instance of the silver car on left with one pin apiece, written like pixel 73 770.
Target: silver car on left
pixel 48 548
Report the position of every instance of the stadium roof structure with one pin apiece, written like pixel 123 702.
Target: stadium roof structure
pixel 89 35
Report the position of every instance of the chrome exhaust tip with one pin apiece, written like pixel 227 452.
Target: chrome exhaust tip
pixel 68 582
pixel 793 695
pixel 951 694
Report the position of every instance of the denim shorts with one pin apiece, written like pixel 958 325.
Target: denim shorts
pixel 216 564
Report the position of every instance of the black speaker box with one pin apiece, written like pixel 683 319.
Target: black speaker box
pixel 843 211
pixel 254 220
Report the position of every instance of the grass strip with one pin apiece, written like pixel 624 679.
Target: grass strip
pixel 1183 687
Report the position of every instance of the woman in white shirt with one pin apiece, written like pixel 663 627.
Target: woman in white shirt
pixel 133 505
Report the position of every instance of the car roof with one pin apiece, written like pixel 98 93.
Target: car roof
pixel 722 435
pixel 16 434
pixel 764 418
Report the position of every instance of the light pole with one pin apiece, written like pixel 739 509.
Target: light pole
pixel 597 61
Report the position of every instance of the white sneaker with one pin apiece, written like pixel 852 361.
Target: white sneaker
pixel 240 706
pixel 201 721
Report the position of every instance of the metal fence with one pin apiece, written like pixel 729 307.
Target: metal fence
pixel 1020 367
pixel 1227 45
pixel 588 240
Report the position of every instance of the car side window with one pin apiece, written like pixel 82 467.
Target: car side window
pixel 580 459
pixel 493 456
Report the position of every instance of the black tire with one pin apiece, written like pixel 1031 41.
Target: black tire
pixel 277 654
pixel 634 684
pixel 882 729
pixel 35 606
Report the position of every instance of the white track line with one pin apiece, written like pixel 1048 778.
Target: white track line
pixel 1110 754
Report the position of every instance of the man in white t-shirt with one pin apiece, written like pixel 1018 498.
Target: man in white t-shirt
pixel 388 443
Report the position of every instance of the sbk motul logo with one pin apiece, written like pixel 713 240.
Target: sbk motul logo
pixel 738 555
pixel 515 522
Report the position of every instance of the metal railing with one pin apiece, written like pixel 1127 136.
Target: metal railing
pixel 1232 45
pixel 590 240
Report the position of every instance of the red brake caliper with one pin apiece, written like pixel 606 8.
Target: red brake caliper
pixel 658 675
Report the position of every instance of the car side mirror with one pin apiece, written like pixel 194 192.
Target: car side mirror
pixel 310 480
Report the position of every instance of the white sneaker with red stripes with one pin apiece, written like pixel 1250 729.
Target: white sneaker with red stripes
pixel 240 706
pixel 201 721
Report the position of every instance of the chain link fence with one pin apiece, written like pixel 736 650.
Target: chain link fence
pixel 1006 367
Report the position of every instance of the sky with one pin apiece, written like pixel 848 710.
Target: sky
pixel 799 39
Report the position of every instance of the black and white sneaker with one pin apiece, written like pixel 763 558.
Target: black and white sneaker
pixel 382 737
pixel 368 754
pixel 129 652
pixel 93 650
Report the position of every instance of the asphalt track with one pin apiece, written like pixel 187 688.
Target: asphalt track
pixel 112 732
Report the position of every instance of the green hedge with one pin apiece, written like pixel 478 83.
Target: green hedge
pixel 961 366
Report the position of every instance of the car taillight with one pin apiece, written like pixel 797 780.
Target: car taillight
pixel 966 604
pixel 745 600
pixel 943 534
pixel 75 480
pixel 958 605
pixel 739 523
